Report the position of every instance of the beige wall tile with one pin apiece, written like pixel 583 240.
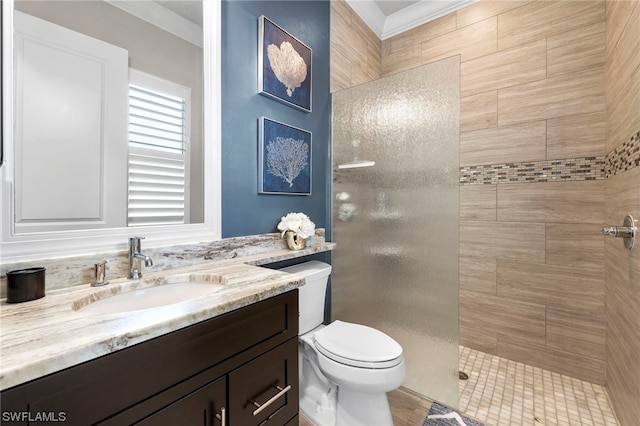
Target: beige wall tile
pixel 472 336
pixel 422 33
pixel 576 136
pixel 359 73
pixel 576 331
pixel 578 245
pixel 352 44
pixel 478 274
pixel 571 94
pixel 623 78
pixel 623 346
pixel 483 34
pixel 622 194
pixel 576 50
pixel 366 33
pixel 478 202
pixel 622 272
pixel 578 366
pixel 374 62
pixel 511 318
pixel 541 19
pixel 504 69
pixel 503 240
pixel 401 60
pixel 559 202
pixel 622 107
pixel 485 9
pixel 345 37
pixel 561 286
pixel 340 71
pixel 342 8
pixel 519 142
pixel 618 17
pixel 479 111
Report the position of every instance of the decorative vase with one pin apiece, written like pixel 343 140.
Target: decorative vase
pixel 294 241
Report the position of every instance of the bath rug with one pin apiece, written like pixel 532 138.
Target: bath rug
pixel 439 415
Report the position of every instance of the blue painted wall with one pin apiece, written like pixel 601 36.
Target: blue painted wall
pixel 244 211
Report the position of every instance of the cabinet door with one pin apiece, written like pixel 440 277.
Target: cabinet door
pixel 205 406
pixel 266 389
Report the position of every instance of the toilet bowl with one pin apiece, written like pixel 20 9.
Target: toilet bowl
pixel 345 369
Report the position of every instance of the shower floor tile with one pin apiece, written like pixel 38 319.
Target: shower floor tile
pixel 501 392
pixel 504 392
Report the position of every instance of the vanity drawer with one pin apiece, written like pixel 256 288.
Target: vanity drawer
pixel 266 389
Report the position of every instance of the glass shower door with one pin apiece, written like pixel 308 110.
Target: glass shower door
pixel 395 217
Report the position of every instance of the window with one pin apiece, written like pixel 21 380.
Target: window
pixel 158 188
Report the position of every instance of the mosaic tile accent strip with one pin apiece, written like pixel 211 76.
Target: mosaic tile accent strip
pixel 624 157
pixel 587 168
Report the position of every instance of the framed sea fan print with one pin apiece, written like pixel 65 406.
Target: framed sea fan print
pixel 284 66
pixel 284 159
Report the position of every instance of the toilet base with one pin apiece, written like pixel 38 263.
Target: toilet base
pixel 319 414
pixel 362 409
pixel 318 396
pixel 352 409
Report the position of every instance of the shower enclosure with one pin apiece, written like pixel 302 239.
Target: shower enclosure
pixel 395 217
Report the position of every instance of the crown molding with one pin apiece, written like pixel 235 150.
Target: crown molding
pixel 370 14
pixel 405 19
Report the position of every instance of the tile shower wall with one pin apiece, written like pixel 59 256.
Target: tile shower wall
pixel 532 157
pixel 622 196
pixel 355 49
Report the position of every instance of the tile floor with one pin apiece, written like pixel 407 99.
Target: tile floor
pixel 501 392
pixel 504 392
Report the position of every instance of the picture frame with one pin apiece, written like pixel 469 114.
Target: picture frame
pixel 284 66
pixel 284 158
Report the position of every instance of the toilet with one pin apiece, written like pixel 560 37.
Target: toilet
pixel 345 369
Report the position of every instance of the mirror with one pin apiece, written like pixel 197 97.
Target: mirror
pixel 88 134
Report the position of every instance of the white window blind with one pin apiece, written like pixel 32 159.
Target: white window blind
pixel 158 151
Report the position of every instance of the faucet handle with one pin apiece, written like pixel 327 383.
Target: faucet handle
pixel 99 274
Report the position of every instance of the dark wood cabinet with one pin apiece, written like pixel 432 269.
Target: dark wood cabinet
pixel 240 368
pixel 200 407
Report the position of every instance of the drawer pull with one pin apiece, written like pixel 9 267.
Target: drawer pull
pixel 271 401
pixel 222 417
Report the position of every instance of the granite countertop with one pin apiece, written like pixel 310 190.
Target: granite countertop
pixel 53 333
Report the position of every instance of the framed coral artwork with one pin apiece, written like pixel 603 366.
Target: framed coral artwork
pixel 284 66
pixel 284 159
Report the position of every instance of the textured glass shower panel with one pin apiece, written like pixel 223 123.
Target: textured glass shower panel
pixel 395 267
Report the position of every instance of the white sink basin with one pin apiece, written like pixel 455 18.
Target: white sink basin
pixel 151 297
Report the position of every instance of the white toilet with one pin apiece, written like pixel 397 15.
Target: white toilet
pixel 346 369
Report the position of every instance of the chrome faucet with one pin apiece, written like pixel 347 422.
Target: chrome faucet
pixel 135 269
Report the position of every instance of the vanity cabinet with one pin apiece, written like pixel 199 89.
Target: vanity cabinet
pixel 240 368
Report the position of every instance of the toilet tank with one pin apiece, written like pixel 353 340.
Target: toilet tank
pixel 311 295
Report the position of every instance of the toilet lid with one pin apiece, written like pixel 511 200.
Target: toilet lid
pixel 358 345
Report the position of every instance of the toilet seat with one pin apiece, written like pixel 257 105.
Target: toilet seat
pixel 357 345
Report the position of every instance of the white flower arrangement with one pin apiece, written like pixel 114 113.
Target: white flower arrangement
pixel 298 223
